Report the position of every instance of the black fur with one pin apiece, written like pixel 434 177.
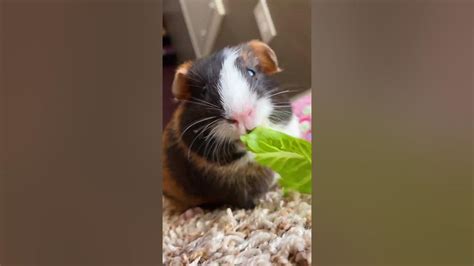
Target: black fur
pixel 203 184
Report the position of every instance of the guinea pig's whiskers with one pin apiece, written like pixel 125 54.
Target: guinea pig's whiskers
pixel 278 93
pixel 209 144
pixel 201 130
pixel 283 110
pixel 279 117
pixel 282 106
pixel 220 149
pixel 211 134
pixel 229 147
pixel 253 88
pixel 191 78
pixel 212 149
pixel 279 103
pixel 216 147
pixel 205 102
pixel 281 113
pixel 215 150
pixel 205 137
pixel 296 87
pixel 273 90
pixel 195 123
pixel 202 104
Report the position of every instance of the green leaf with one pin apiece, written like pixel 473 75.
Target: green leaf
pixel 288 156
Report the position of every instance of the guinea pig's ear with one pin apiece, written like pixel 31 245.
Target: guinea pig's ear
pixel 180 87
pixel 267 59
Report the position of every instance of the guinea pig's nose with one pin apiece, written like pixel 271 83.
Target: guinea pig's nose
pixel 244 115
pixel 244 119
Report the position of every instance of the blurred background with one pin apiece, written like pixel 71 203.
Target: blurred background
pixel 196 28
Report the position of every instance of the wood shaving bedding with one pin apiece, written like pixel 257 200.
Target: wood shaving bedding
pixel 276 232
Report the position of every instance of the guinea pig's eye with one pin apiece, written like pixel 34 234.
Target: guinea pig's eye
pixel 251 72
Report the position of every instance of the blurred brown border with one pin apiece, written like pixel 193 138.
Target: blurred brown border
pixel 392 114
pixel 80 132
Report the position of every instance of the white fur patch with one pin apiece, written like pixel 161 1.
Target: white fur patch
pixel 292 128
pixel 236 93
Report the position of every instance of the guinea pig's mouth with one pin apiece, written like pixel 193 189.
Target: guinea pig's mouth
pixel 238 129
pixel 231 121
pixel 239 144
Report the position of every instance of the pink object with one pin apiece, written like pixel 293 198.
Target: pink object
pixel 302 110
pixel 244 120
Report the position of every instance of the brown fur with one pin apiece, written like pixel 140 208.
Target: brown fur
pixel 171 189
pixel 179 88
pixel 267 59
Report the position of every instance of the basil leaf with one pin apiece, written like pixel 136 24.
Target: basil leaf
pixel 288 156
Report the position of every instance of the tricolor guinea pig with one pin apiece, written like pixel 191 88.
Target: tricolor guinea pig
pixel 221 97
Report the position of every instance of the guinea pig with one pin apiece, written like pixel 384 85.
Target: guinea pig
pixel 221 97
